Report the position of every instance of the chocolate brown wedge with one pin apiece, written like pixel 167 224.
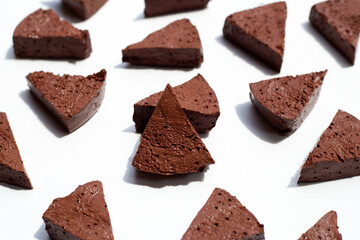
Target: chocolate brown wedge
pixel 43 34
pixel 196 98
pixel 326 228
pixel 81 215
pixel 73 100
pixel 12 169
pixel 285 102
pixel 339 22
pixel 337 153
pixel 224 217
pixel 170 145
pixel 84 8
pixel 158 7
pixel 176 45
pixel 260 31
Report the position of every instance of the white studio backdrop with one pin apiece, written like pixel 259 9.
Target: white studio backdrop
pixel 253 161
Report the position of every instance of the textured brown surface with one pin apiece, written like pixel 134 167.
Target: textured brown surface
pixel 170 145
pixel 325 229
pixel 224 217
pixel 339 22
pixel 81 215
pixel 176 45
pixel 72 99
pixel 196 98
pixel 12 169
pixel 157 7
pixel 285 102
pixel 84 8
pixel 43 35
pixel 337 153
pixel 260 31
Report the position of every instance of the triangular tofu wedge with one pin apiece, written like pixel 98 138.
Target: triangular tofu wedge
pixel 158 7
pixel 339 22
pixel 81 215
pixel 224 217
pixel 43 35
pixel 176 45
pixel 285 102
pixel 12 169
pixel 337 153
pixel 84 8
pixel 197 99
pixel 170 145
pixel 326 228
pixel 73 100
pixel 260 31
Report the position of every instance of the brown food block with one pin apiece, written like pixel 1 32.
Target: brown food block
pixel 170 145
pixel 158 7
pixel 337 153
pixel 339 22
pixel 81 215
pixel 326 228
pixel 73 100
pixel 224 217
pixel 84 8
pixel 260 31
pixel 176 45
pixel 285 102
pixel 12 169
pixel 43 35
pixel 197 99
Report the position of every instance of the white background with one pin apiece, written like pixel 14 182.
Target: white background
pixel 253 162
